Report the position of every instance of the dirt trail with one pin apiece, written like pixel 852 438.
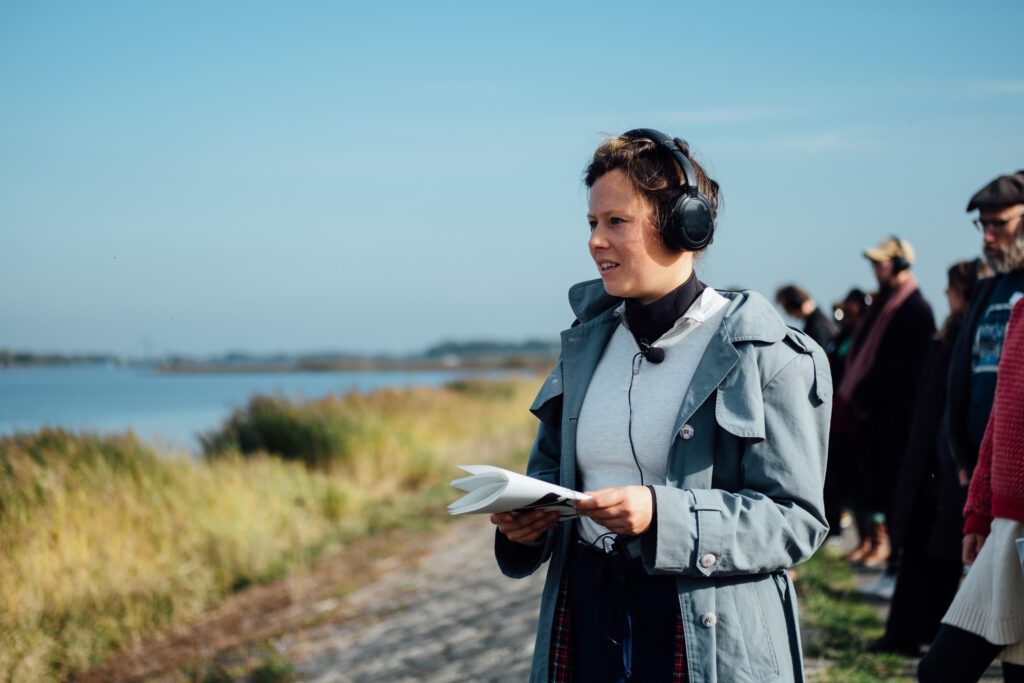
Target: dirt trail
pixel 454 617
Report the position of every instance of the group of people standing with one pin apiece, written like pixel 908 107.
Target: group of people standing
pixel 913 409
pixel 698 423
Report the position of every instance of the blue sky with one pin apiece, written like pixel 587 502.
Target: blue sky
pixel 197 177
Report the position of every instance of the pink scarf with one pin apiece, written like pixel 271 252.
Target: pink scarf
pixel 862 358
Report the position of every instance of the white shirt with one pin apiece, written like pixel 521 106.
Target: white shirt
pixel 604 457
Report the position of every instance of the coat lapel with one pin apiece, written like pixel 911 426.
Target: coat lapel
pixel 718 359
pixel 581 349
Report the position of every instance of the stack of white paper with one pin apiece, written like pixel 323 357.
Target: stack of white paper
pixel 493 489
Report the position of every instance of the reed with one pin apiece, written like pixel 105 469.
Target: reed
pixel 105 542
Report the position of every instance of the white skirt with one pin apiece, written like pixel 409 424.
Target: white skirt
pixel 990 602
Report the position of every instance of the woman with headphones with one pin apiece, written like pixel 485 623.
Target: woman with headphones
pixel 698 422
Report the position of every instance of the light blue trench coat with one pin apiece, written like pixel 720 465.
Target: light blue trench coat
pixel 743 498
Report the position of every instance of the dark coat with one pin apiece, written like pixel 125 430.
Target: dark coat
pixel 820 328
pixel 885 396
pixel 927 478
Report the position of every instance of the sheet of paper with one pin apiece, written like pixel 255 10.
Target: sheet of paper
pixel 494 489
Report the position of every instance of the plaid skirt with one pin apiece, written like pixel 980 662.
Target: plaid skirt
pixel 560 661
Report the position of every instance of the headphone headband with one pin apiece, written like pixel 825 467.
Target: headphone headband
pixel 689 175
pixel 691 224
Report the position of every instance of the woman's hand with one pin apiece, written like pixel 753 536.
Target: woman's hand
pixel 971 547
pixel 524 527
pixel 624 509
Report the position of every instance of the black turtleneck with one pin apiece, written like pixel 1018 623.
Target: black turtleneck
pixel 649 321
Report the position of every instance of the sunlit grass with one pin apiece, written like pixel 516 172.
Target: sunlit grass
pixel 838 622
pixel 104 542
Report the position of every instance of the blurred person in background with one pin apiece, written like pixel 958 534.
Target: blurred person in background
pixel 926 522
pixel 798 304
pixel 975 362
pixel 698 421
pixel 875 398
pixel 841 473
pixel 848 314
pixel 986 619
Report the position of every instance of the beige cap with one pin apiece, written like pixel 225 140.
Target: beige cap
pixel 890 248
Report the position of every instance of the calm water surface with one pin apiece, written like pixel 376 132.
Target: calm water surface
pixel 168 409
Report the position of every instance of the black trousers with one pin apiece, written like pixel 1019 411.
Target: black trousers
pixel 839 472
pixel 959 656
pixel 603 589
pixel 925 586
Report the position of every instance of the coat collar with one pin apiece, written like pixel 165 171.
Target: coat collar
pixel 749 316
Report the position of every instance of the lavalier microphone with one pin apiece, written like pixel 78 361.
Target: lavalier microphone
pixel 652 353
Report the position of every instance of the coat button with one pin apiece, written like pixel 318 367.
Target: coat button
pixel 707 560
pixel 686 431
pixel 709 619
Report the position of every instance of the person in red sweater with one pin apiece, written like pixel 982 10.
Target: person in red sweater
pixel 986 618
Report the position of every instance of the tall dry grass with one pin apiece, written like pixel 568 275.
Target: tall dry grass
pixel 104 542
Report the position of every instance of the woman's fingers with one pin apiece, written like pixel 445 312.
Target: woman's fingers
pixel 971 547
pixel 623 509
pixel 524 527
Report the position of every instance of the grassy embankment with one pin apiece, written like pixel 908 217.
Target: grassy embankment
pixel 104 542
pixel 838 622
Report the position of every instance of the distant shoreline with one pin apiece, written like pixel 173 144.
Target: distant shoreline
pixel 469 355
pixel 425 365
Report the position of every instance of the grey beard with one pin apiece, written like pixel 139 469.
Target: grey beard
pixel 1011 258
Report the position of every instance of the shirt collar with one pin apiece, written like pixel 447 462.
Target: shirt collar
pixel 707 304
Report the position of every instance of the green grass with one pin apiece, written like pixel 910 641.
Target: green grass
pixel 838 622
pixel 104 542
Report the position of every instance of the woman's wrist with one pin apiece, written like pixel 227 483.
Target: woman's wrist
pixel 654 508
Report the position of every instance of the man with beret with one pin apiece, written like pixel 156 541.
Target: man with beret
pixel 975 361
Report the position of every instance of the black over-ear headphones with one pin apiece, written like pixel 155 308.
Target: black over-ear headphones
pixel 899 263
pixel 691 224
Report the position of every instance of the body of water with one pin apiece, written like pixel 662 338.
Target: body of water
pixel 170 409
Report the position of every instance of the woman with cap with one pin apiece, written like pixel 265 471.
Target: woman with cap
pixel 698 422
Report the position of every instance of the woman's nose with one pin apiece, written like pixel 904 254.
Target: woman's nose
pixel 597 239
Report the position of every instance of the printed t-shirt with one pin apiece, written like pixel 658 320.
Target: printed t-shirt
pixel 986 350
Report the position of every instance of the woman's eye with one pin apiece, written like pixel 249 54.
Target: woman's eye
pixel 616 221
pixel 593 225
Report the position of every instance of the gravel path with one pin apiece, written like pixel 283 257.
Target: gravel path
pixel 452 617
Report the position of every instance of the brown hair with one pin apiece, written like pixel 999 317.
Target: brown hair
pixel 791 297
pixel 654 174
pixel 964 276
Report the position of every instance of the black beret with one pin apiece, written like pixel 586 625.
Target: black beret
pixel 1006 190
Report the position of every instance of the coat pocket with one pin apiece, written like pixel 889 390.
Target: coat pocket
pixel 752 614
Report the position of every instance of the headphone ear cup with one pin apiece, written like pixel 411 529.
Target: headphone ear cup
pixel 693 223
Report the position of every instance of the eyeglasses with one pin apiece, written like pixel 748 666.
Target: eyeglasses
pixel 994 224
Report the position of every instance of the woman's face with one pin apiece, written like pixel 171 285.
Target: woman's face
pixel 624 243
